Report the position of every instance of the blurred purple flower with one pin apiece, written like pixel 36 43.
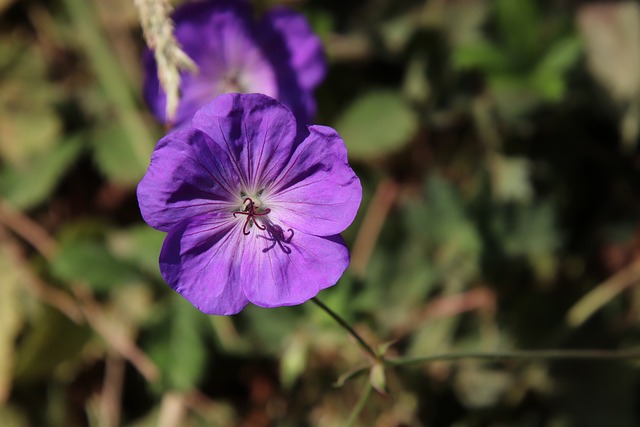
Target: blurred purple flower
pixel 253 209
pixel 279 56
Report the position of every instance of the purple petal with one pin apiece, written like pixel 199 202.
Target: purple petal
pixel 291 268
pixel 317 193
pixel 199 261
pixel 188 175
pixel 298 57
pixel 256 131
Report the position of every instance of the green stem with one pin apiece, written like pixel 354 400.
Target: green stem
pixel 360 405
pixel 346 326
pixel 520 355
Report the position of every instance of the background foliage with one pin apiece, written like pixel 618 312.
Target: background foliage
pixel 497 144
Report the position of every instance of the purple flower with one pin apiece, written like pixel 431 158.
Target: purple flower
pixel 279 56
pixel 253 209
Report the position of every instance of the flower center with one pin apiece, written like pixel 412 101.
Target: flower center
pixel 251 211
pixel 232 83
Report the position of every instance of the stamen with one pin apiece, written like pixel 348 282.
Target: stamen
pixel 251 212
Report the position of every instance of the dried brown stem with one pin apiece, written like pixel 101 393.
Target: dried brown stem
pixel 27 229
pixel 111 396
pixel 119 342
pixel 83 307
pixel 375 216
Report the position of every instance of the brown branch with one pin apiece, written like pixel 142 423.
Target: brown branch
pixel 27 229
pixel 83 307
pixel 374 218
pixel 34 284
pixel 119 342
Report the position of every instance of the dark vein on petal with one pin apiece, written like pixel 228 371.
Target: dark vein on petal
pixel 292 163
pixel 211 175
pixel 231 156
pixel 249 158
pixel 221 173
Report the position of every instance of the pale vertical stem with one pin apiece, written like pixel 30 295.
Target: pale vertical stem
pixel 172 410
pixel 111 396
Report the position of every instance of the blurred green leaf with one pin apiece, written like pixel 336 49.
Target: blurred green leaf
pixel 28 123
pixel 140 245
pixel 269 327
pixel 519 24
pixel 177 345
pixel 548 78
pixel 480 386
pixel 29 185
pixel 293 360
pixel 377 123
pixel 560 56
pixel 12 417
pixel 115 156
pixel 89 260
pixel 481 54
pixel 530 232
pixel 510 180
pixel 52 342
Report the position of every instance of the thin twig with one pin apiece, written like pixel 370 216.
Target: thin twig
pixel 119 342
pixel 34 284
pixel 603 293
pixel 26 228
pixel 84 306
pixel 346 326
pixel 591 354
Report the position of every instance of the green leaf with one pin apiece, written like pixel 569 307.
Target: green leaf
pixel 482 55
pixel 519 23
pixel 30 185
pixel 53 340
pixel 449 230
pixel 561 56
pixel 29 124
pixel 89 260
pixel 548 78
pixel 115 156
pixel 177 345
pixel 10 416
pixel 140 245
pixel 377 123
pixel 510 179
pixel 293 360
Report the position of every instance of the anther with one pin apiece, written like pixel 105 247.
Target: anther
pixel 249 209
